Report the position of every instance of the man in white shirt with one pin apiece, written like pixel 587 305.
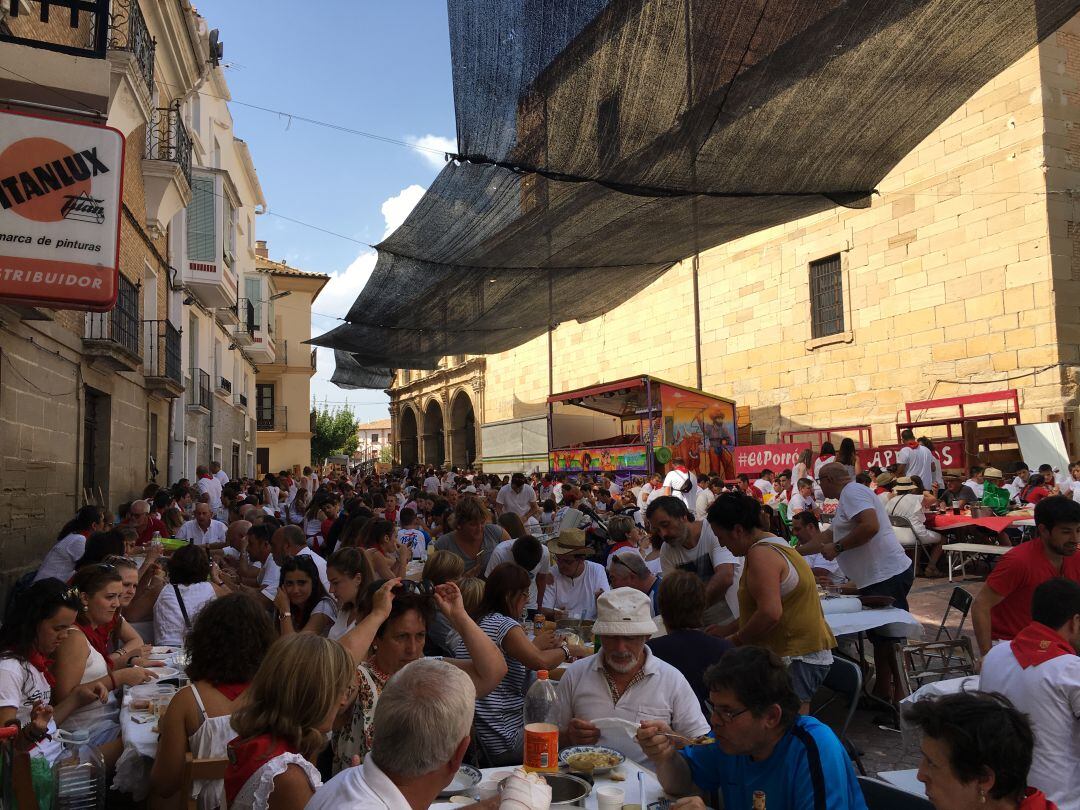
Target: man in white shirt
pixel 915 459
pixel 203 530
pixel 648 688
pixel 706 495
pixel 289 541
pixel 534 558
pixel 406 770
pixel 681 483
pixel 267 573
pixel 517 497
pixel 431 483
pixel 692 546
pixel 862 541
pixel 1039 672
pixel 613 486
pixel 577 582
pixel 653 485
pixel 209 486
pixel 765 483
pixel 976 482
pixel 218 473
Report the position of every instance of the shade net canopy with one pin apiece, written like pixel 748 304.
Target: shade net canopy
pixel 602 141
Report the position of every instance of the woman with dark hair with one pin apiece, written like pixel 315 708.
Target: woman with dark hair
pixel 848 457
pixel 225 647
pixel 387 556
pixel 312 523
pixel 189 589
pixel 100 545
pixel 499 724
pixel 391 635
pixel 349 573
pixel 301 600
pixel 61 560
pixel 297 507
pixel 83 659
pixel 515 527
pixel 35 625
pixel 804 467
pixel 976 753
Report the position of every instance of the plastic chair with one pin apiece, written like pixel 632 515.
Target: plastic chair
pixel 959 600
pixel 198 770
pixel 844 680
pixel 881 795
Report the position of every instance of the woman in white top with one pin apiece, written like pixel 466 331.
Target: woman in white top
pixel 36 622
pixel 271 492
pixel 297 506
pixel 70 544
pixel 283 723
pixel 226 645
pixel 301 600
pixel 349 573
pixel 907 502
pixel 184 596
pixel 82 660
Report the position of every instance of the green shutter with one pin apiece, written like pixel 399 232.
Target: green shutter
pixel 201 222
pixel 253 291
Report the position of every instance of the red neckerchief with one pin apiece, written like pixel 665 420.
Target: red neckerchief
pixel 207 477
pixel 824 457
pixel 231 690
pixel 42 665
pixel 99 637
pixel 682 469
pixel 246 757
pixel 912 444
pixel 1036 644
pixel 1035 799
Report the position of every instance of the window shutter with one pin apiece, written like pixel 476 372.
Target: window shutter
pixel 201 233
pixel 253 291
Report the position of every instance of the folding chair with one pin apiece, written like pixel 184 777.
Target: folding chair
pixel 959 600
pixel 199 770
pixel 844 680
pixel 926 662
pixel 881 795
pixel 905 533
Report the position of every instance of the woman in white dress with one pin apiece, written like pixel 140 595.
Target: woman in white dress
pixel 225 647
pixel 350 574
pixel 83 659
pixel 189 589
pixel 304 681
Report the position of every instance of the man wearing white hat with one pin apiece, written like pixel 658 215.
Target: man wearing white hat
pixel 576 582
pixel 604 696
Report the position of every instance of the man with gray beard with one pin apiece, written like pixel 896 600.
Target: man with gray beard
pixel 624 681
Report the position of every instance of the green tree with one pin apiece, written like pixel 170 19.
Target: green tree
pixel 333 433
pixel 386 454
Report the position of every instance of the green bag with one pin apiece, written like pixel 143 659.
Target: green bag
pixel 996 498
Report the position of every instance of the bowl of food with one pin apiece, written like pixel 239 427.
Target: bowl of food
pixel 590 759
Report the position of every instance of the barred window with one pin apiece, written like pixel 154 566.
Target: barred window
pixel 826 297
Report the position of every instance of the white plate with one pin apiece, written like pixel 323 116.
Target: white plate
pixel 161 653
pixel 566 753
pixel 164 672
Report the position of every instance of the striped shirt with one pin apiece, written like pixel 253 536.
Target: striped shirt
pixel 499 716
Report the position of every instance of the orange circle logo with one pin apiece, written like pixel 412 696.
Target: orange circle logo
pixel 45 173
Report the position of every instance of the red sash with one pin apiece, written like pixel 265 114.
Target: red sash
pixel 1036 644
pixel 246 757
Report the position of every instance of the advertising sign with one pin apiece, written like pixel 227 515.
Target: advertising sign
pixel 950 454
pixel 700 430
pixel 753 458
pixel 60 187
pixel 600 459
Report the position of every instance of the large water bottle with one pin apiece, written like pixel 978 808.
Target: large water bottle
pixel 542 725
pixel 79 774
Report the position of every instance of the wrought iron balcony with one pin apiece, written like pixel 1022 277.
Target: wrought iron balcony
pixel 161 364
pixel 240 399
pixel 199 388
pixel 167 139
pixel 272 418
pixel 112 337
pixel 314 360
pixel 128 32
pixel 225 384
pixel 244 332
pixel 75 27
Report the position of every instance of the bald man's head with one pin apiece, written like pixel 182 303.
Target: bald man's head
pixel 833 477
pixel 236 532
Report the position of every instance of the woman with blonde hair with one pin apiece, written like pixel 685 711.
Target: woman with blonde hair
pixel 443 566
pixel 283 722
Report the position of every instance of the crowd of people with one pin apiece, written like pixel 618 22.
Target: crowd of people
pixel 403 618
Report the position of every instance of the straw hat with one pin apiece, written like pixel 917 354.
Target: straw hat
pixel 624 612
pixel 904 484
pixel 884 479
pixel 992 472
pixel 570 541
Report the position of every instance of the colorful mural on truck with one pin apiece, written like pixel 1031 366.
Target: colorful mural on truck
pixel 600 459
pixel 700 430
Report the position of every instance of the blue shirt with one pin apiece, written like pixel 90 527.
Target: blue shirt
pixel 808 770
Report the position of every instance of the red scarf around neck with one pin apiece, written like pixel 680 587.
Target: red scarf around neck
pixel 246 757
pixel 232 690
pixel 43 665
pixel 1036 644
pixel 828 457
pixel 913 444
pixel 99 637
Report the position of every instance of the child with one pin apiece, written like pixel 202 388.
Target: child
pixel 412 535
pixel 803 499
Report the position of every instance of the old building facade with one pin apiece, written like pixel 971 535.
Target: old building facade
pixel 963 276
pixel 436 415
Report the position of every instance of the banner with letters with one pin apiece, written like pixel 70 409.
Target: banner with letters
pixel 753 458
pixel 949 453
pixel 60 195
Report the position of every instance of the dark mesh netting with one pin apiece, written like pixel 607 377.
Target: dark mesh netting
pixel 602 142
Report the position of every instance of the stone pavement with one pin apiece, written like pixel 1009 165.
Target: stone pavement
pixel 883 748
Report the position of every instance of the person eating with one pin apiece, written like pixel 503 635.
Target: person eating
pixel 577 581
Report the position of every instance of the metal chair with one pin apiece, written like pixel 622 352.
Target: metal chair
pixel 959 600
pixel 881 795
pixel 907 536
pixel 198 770
pixel 926 662
pixel 844 680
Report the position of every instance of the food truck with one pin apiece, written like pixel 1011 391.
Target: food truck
pixel 637 426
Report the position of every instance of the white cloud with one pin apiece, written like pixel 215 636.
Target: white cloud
pixel 438 143
pixel 398 207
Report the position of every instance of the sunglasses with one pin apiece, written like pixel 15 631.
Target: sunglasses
pixel 424 587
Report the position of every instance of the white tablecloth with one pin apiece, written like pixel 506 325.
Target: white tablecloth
pixel 140 736
pixel 902 623
pixel 905 780
pixel 629 786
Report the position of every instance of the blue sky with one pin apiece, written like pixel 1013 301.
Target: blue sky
pixel 381 67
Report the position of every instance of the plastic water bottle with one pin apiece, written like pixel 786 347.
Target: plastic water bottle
pixel 542 725
pixel 79 774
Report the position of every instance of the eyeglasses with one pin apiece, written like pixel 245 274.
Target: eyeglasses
pixel 724 715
